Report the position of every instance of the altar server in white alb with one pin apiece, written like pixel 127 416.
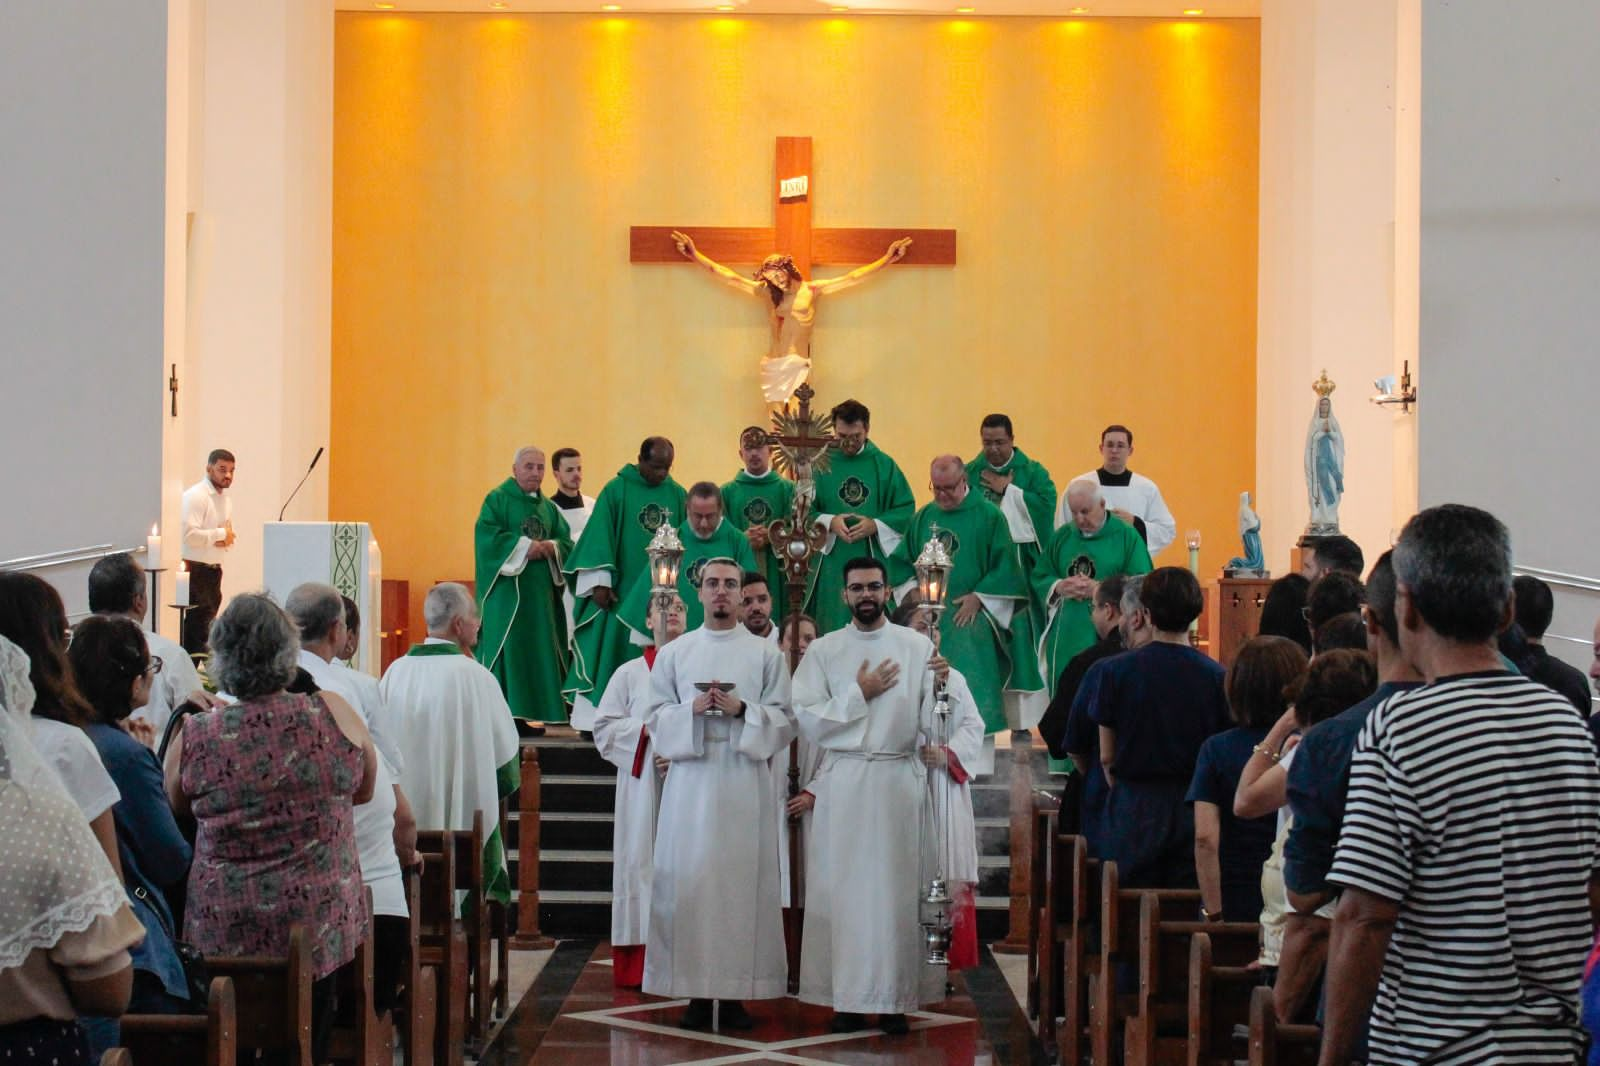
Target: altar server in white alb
pixel 1132 497
pixel 865 694
pixel 451 722
pixel 719 712
pixel 622 739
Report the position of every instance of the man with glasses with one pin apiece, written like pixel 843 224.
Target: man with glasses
pixel 1132 497
pixel 863 694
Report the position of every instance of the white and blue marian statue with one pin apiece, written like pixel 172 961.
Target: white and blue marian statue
pixel 1324 462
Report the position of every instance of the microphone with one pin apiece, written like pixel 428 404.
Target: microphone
pixel 310 468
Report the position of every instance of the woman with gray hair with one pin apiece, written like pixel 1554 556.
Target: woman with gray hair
pixel 270 781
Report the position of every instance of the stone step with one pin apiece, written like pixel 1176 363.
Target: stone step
pixel 575 830
pixel 578 792
pixel 570 755
pixel 587 871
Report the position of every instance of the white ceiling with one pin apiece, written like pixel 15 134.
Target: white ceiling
pixel 1035 8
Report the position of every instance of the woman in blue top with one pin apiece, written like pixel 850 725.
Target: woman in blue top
pixel 115 671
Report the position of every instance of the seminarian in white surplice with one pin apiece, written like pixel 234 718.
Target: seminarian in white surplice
pixel 719 697
pixel 864 693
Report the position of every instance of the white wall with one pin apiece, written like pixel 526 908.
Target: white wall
pixel 82 395
pixel 1511 279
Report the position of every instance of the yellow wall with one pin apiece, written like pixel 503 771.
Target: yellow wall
pixel 1102 176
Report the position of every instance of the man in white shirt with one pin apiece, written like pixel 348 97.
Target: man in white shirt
pixel 1132 497
pixel 755 607
pixel 118 589
pixel 207 536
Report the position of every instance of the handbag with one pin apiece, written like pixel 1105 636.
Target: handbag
pixel 196 974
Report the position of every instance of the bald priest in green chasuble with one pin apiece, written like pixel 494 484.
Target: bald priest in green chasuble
pixel 706 535
pixel 987 594
pixel 752 501
pixel 608 558
pixel 520 543
pixel 1093 546
pixel 865 503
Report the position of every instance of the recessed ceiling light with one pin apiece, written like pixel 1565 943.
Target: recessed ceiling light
pixel 838 7
pixel 610 7
pixel 724 7
pixel 965 10
pixel 383 5
pixel 1080 11
pixel 1193 11
pixel 498 5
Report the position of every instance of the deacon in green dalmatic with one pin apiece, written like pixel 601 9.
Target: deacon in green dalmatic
pixel 706 535
pixel 752 501
pixel 520 543
pixel 865 503
pixel 987 593
pixel 608 558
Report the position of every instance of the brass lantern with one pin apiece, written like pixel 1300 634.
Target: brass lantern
pixel 666 553
pixel 933 572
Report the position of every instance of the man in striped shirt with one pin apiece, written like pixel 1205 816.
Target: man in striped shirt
pixel 1471 841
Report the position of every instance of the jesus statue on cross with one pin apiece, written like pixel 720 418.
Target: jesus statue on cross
pixel 793 308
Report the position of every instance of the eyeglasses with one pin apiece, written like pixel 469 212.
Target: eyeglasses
pixel 155 666
pixel 1305 612
pixel 856 588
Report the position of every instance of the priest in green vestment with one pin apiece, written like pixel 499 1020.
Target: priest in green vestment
pixel 865 503
pixel 608 558
pixel 705 535
pixel 1019 486
pixel 987 593
pixel 752 501
pixel 519 544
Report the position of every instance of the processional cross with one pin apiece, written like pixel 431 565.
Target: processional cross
pixel 786 275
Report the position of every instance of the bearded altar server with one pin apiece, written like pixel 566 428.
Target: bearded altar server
pixel 752 501
pixel 604 564
pixel 519 543
pixel 719 712
pixel 450 721
pixel 705 535
pixel 622 739
pixel 864 501
pixel 865 694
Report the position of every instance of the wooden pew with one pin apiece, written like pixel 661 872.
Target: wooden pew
pixel 1079 945
pixel 273 997
pixel 1041 876
pixel 1219 1005
pixel 416 1017
pixel 1159 1030
pixel 475 922
pixel 157 1039
pixel 1062 919
pixel 1276 1044
pixel 500 931
pixel 1119 939
pixel 443 945
pixel 361 1037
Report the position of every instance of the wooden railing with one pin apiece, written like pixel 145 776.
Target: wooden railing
pixel 528 937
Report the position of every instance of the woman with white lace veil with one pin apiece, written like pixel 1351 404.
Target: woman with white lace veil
pixel 65 924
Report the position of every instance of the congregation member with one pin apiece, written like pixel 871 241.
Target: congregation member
pixel 864 501
pixel 753 500
pixel 1107 618
pixel 118 588
pixel 755 605
pixel 1345 631
pixel 622 740
pixel 1023 490
pixel 987 631
pixel 34 619
pixel 1466 860
pixel 718 713
pixel 458 748
pixel 352 638
pixel 1331 595
pixel 386 832
pixel 280 849
pixel 1228 850
pixel 1283 611
pixel 1132 497
pixel 207 538
pixel 52 971
pixel 520 543
pixel 1154 708
pixel 864 694
pixel 1337 554
pixel 607 560
pixel 1536 605
pixel 706 534
pixel 117 675
pixel 575 507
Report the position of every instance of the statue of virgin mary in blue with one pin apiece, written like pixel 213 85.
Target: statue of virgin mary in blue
pixel 1324 463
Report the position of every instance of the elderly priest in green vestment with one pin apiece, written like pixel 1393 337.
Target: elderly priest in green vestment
pixel 706 535
pixel 520 542
pixel 607 560
pixel 864 502
pixel 987 594
pixel 752 501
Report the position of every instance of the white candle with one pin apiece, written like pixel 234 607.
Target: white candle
pixel 181 597
pixel 152 550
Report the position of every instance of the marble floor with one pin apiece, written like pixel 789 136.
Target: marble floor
pixel 570 1015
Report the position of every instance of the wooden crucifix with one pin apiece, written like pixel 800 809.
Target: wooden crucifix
pixel 786 253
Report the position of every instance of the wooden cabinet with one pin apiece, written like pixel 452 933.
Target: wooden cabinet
pixel 393 641
pixel 1234 613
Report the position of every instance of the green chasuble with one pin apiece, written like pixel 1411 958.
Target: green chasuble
pixel 1116 549
pixel 985 561
pixel 868 484
pixel 726 541
pixel 759 501
pixel 524 637
pixel 626 515
pixel 1038 499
